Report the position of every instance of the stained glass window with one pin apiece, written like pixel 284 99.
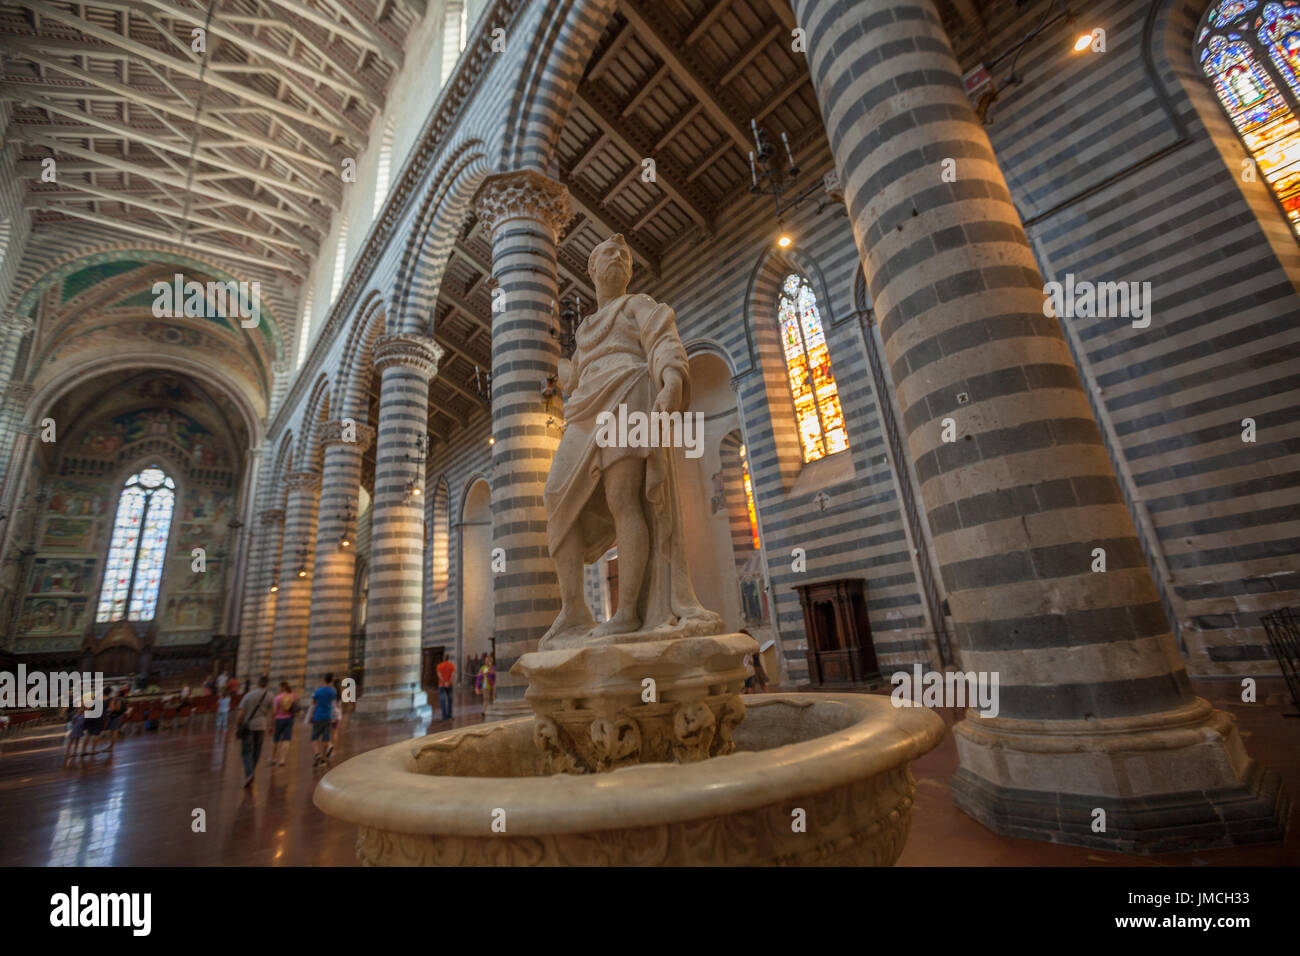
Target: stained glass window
pixel 749 497
pixel 1252 58
pixel 808 361
pixel 133 571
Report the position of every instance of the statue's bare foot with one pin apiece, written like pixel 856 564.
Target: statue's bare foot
pixel 577 619
pixel 623 622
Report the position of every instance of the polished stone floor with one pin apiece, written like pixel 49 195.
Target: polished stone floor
pixel 138 809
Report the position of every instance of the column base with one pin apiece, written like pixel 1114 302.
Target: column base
pixel 392 705
pixel 1179 780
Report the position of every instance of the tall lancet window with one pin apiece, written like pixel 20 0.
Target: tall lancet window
pixel 133 570
pixel 1251 54
pixel 808 361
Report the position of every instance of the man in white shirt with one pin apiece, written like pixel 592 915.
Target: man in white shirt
pixel 250 726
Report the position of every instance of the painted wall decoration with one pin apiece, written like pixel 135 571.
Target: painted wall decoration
pixel 42 615
pixel 191 611
pixel 73 499
pixel 68 534
pixel 62 577
pixel 108 437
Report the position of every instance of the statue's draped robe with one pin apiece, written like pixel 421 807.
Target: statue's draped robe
pixel 622 353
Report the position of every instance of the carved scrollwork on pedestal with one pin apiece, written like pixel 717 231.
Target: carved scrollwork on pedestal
pixel 694 727
pixel 617 742
pixel 730 713
pixel 558 755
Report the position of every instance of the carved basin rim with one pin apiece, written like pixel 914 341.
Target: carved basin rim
pixel 382 789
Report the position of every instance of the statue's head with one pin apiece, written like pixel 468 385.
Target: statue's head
pixel 611 259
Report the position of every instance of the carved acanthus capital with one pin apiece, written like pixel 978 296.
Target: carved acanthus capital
pixel 347 432
pixel 412 351
pixel 523 194
pixel 271 516
pixel 302 481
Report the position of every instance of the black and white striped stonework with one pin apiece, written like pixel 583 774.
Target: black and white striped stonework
pixel 405 364
pixel 1127 169
pixel 524 211
pixel 1020 500
pixel 263 627
pixel 335 565
pixel 293 600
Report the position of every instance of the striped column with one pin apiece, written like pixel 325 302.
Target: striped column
pixel 392 690
pixel 293 601
pixel 13 328
pixel 271 523
pixel 525 212
pixel 331 587
pixel 1094 706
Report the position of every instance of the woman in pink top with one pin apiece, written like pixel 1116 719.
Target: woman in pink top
pixel 285 706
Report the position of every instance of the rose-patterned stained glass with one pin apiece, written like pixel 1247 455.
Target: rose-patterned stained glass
pixel 133 570
pixel 1240 66
pixel 1280 33
pixel 749 497
pixel 817 410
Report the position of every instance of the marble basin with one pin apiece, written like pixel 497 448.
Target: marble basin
pixel 816 779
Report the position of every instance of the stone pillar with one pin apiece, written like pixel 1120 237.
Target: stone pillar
pixel 262 599
pixel 293 601
pixel 1094 705
pixel 525 212
pixel 391 689
pixel 331 587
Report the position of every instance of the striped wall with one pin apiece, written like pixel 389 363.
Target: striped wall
pixel 1124 168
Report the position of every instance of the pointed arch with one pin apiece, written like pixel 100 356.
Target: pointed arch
pixel 353 387
pixel 439 221
pixel 311 453
pixel 141 533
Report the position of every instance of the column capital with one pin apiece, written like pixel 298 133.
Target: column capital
pixel 19 391
pixel 523 194
pixel 281 366
pixel 302 481
pixel 332 433
pixel 412 351
pixel 271 516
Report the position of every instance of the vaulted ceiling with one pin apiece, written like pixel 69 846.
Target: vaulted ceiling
pixel 222 124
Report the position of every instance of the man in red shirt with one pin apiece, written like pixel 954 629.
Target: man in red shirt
pixel 446 671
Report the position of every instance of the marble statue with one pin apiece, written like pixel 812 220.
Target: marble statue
pixel 628 361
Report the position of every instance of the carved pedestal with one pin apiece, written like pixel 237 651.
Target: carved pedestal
pixel 601 708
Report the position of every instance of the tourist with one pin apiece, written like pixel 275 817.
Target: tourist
pixel 94 723
pixel 760 675
pixel 336 717
pixel 486 681
pixel 223 710
pixel 222 681
pixel 446 671
pixel 251 726
pixel 286 706
pixel 322 716
pixel 117 714
pixel 76 730
pixel 748 661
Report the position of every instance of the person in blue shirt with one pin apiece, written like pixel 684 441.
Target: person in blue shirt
pixel 322 715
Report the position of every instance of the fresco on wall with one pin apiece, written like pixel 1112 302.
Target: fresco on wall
pixel 73 499
pixel 51 615
pixel 190 611
pixel 108 437
pixel 66 577
pixel 68 534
